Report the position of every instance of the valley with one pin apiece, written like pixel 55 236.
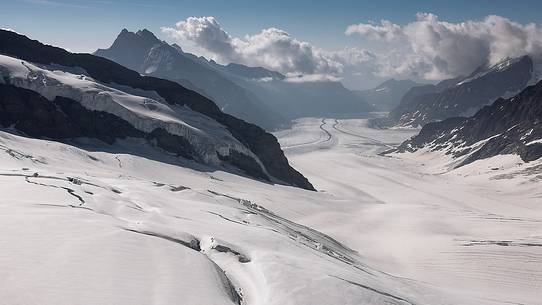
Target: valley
pixel 267 153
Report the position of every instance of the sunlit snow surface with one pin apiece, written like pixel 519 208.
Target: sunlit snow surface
pixel 93 227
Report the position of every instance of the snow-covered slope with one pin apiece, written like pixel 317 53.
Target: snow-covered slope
pixel 87 226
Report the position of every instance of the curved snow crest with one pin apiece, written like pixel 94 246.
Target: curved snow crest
pixel 207 136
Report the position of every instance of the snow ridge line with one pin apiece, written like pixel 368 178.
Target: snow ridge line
pixel 304 235
pixel 318 241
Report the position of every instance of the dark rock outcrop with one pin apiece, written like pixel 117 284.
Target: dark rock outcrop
pixel 508 126
pixel 33 114
pixel 463 96
pixel 64 119
pixel 263 145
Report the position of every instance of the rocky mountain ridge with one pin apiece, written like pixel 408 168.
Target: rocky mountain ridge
pixel 44 87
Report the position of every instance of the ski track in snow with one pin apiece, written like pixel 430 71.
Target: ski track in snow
pixel 381 230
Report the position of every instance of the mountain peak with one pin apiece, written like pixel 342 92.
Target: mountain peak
pixel 141 37
pixel 501 66
pixel 131 47
pixel 147 35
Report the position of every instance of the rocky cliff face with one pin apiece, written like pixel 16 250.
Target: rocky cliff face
pixel 259 154
pixel 463 96
pixel 508 126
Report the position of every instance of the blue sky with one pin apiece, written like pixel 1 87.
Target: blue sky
pixel 425 48
pixel 86 25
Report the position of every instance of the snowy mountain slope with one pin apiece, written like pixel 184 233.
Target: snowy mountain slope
pixel 93 227
pixel 463 96
pixel 175 119
pixel 150 56
pixel 508 126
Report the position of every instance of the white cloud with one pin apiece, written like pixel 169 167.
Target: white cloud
pixel 353 56
pixel 439 49
pixel 293 78
pixel 206 32
pixel 426 48
pixel 386 30
pixel 271 48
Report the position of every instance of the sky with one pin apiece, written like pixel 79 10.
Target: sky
pixel 333 39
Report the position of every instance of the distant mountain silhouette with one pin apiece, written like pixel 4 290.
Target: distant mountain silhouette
pixel 387 95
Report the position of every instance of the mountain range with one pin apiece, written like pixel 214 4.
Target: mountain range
pixel 255 94
pixel 50 93
pixel 508 126
pixel 463 96
pixel 387 95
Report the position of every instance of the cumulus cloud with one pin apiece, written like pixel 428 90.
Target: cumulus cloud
pixel 426 48
pixel 271 48
pixel 439 49
pixel 353 56
pixel 206 32
pixel 386 30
